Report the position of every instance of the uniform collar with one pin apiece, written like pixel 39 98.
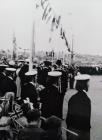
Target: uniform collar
pixel 85 91
pixel 10 77
pixel 32 83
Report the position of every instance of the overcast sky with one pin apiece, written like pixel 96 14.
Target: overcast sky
pixel 80 18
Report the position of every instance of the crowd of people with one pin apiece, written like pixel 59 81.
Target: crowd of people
pixel 32 101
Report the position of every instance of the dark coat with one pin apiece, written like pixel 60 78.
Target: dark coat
pixel 3 80
pixel 64 85
pixel 7 85
pixel 22 72
pixel 50 98
pixel 79 112
pixel 54 135
pixel 32 133
pixel 64 80
pixel 42 75
pixel 28 90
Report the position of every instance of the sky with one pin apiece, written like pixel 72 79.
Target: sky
pixel 81 19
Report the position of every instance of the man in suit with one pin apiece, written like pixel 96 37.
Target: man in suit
pixel 79 110
pixel 32 131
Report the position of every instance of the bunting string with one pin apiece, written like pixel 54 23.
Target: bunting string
pixel 50 16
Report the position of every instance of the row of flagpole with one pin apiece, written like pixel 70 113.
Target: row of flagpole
pixel 32 48
pixel 46 9
pixel 49 15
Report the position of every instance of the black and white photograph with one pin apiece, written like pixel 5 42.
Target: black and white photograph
pixel 50 69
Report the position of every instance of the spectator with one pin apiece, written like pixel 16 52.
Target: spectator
pixel 32 131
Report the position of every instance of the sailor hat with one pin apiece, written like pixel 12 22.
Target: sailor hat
pixel 21 60
pixel 47 62
pixel 82 77
pixel 54 73
pixel 11 69
pixel 3 66
pixel 27 60
pixel 31 73
pixel 12 63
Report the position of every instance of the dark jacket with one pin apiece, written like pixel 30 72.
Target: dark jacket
pixel 54 135
pixel 7 85
pixel 50 98
pixel 28 90
pixel 32 133
pixel 79 112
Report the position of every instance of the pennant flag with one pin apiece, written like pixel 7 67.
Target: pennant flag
pixel 37 6
pixel 53 24
pixel 48 14
pixel 67 44
pixel 50 39
pixel 48 19
pixel 58 21
pixel 62 33
pixel 43 3
pixel 45 13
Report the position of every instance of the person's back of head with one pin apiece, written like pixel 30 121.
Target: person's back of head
pixel 58 62
pixel 82 82
pixel 53 128
pixel 33 116
pixel 53 122
pixel 81 85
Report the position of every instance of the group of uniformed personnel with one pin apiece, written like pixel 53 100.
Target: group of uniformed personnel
pixel 45 87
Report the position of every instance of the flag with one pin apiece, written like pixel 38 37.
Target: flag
pixel 46 12
pixel 53 24
pixel 43 3
pixel 62 33
pixel 50 39
pixel 66 42
pixel 58 21
pixel 48 19
pixel 37 6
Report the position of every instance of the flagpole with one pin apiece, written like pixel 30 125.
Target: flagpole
pixel 14 52
pixel 32 49
pixel 72 52
pixel 63 57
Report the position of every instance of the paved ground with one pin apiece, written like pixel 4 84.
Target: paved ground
pixel 95 94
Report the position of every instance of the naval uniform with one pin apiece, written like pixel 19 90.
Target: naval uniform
pixel 7 85
pixel 64 85
pixel 28 90
pixel 50 98
pixel 78 116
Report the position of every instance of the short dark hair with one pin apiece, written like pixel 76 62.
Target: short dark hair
pixel 53 122
pixel 81 85
pixel 58 62
pixel 33 115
